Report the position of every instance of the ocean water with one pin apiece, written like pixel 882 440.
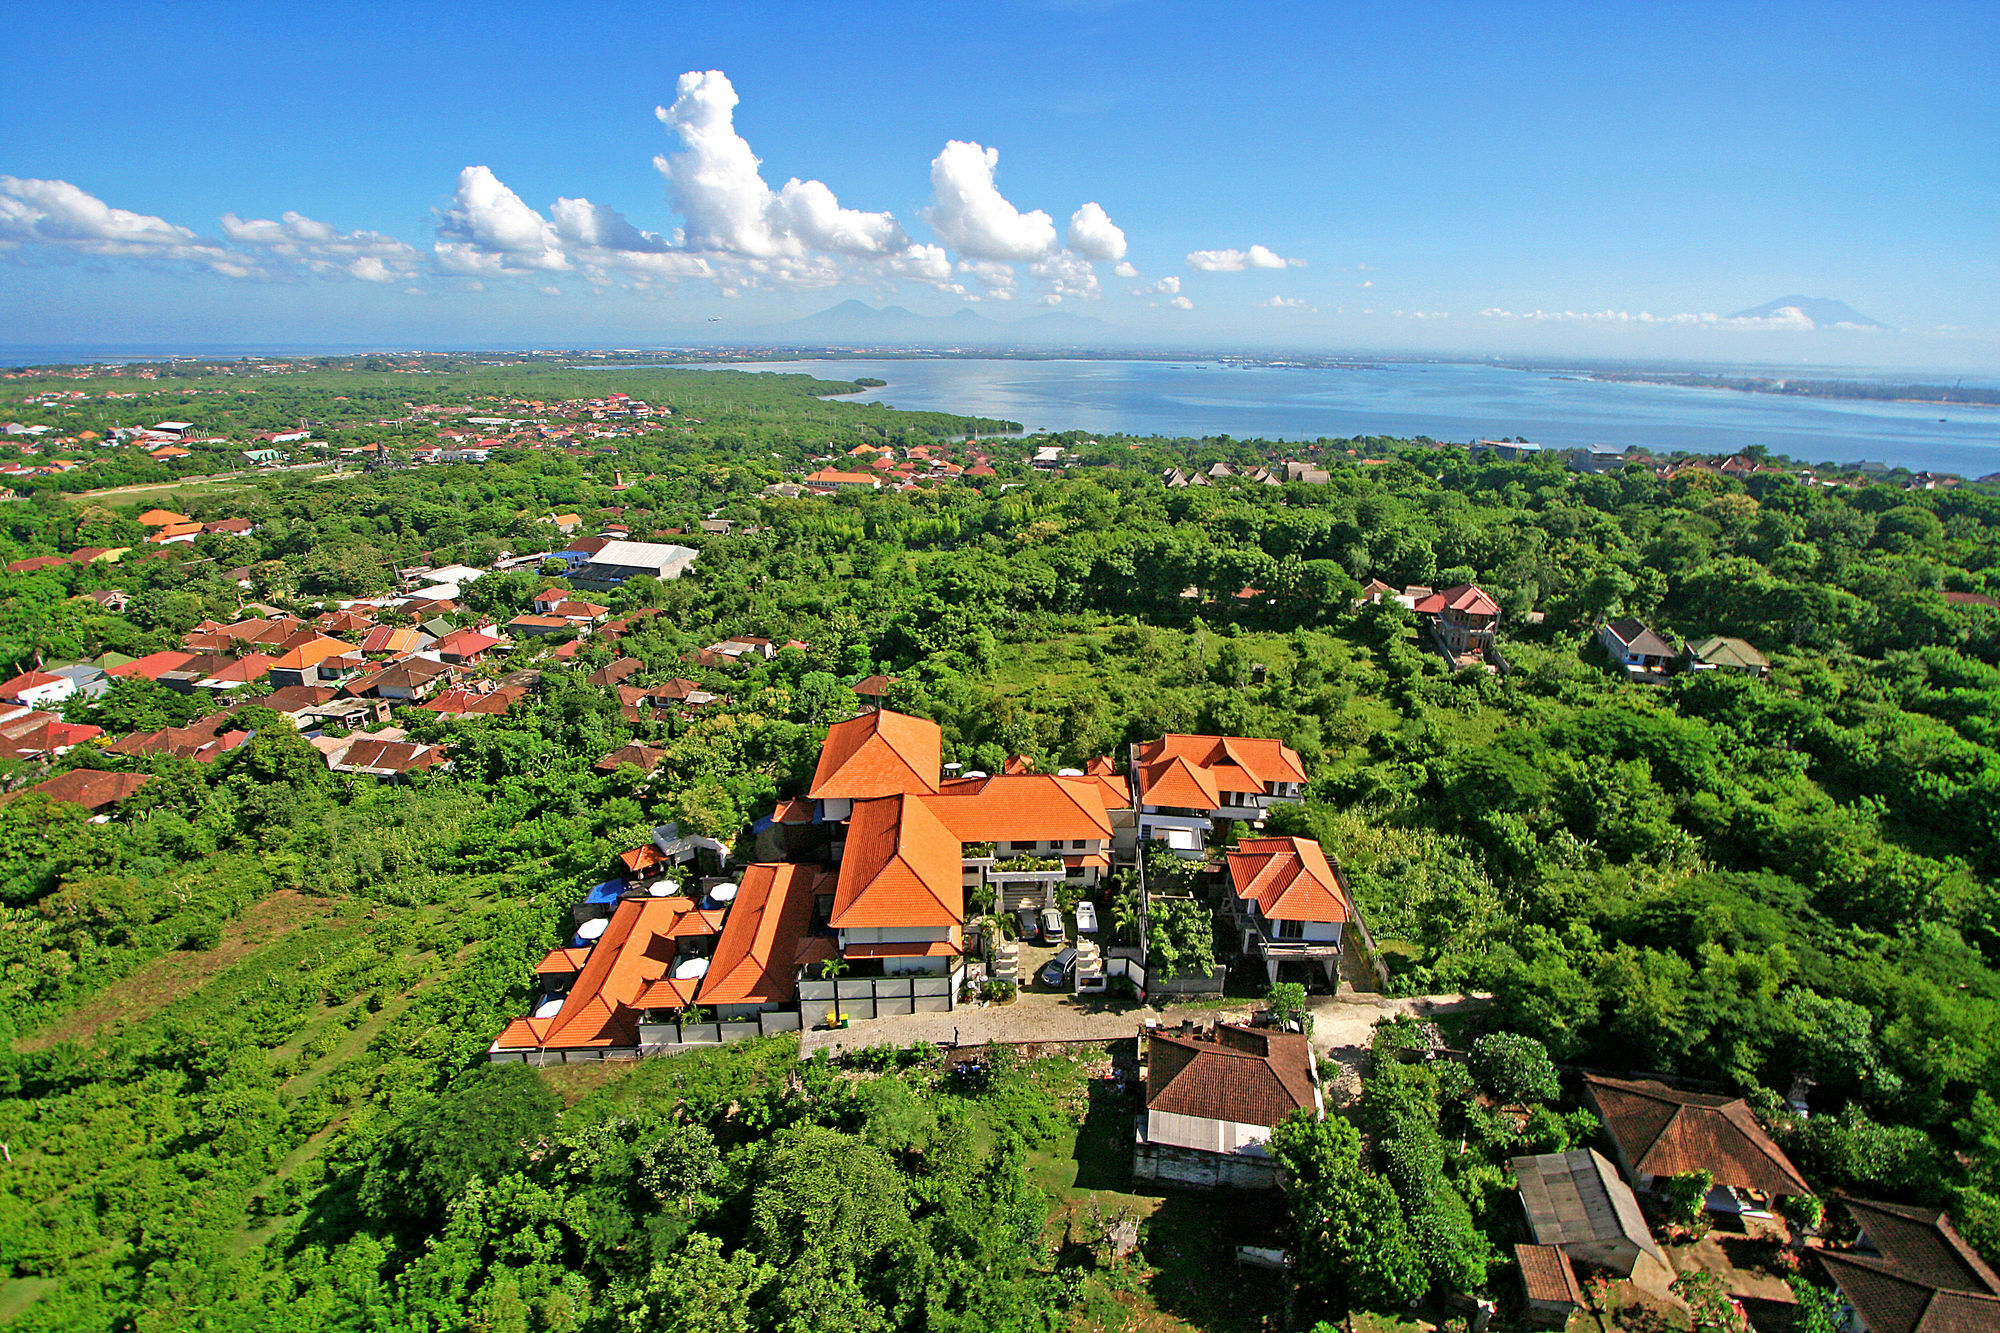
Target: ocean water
pixel 1457 403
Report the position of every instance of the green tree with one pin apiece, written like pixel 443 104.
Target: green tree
pixel 1514 1067
pixel 1353 1242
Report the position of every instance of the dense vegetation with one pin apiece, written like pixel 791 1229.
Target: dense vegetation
pixel 245 1020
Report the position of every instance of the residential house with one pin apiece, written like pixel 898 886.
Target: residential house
pixel 392 760
pixel 477 698
pixel 1463 621
pixel 1290 904
pixel 318 661
pixel 1212 1099
pixel 205 739
pixel 617 562
pixel 737 647
pixel 1507 451
pixel 535 627
pixel 873 690
pixel 34 564
pixel 1576 1203
pixel 611 673
pixel 1548 1284
pixel 649 958
pixel 578 553
pixel 36 735
pixel 398 641
pixel 1643 654
pixel 1183 785
pixel 406 681
pixel 87 787
pixel 1911 1272
pixel 465 647
pixel 175 533
pixel 1658 1131
pixel 90 679
pixel 152 666
pixel 161 518
pixel 36 688
pixel 1721 653
pixel 645 757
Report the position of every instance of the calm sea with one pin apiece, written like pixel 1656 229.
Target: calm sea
pixel 1446 402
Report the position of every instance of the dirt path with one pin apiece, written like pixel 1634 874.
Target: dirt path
pixel 169 978
pixel 1344 1027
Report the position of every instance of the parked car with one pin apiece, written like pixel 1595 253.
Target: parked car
pixel 1086 918
pixel 1058 967
pixel 1052 926
pixel 1027 925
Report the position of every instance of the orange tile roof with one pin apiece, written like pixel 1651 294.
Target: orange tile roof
pixel 901 868
pixel 1019 807
pixel 773 911
pixel 1289 879
pixel 159 518
pixel 312 653
pixel 948 948
pixel 878 754
pixel 1466 597
pixel 1232 763
pixel 642 858
pixel 1176 782
pixel 390 639
pixel 153 665
pixel 637 949
pixel 562 962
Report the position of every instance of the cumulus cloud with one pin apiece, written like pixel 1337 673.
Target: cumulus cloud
pixel 1166 286
pixel 321 248
pixel 62 216
pixel 1094 235
pixel 1126 271
pixel 970 215
pixel 1784 318
pixel 602 239
pixel 1066 274
pixel 489 230
pixel 999 280
pixel 715 182
pixel 1181 303
pixel 1235 261
pixel 1286 303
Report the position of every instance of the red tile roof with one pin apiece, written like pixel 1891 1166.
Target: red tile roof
pixel 647 757
pixel 1251 1076
pixel 153 665
pixel 878 754
pixel 1466 598
pixel 1922 1277
pixel 1226 763
pixel 1289 879
pixel 772 913
pixel 87 787
pixel 901 868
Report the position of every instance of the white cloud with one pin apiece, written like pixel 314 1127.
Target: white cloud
pixel 1235 261
pixel 62 216
pixel 320 248
pixel 601 239
pixel 970 215
pixel 716 184
pixel 1286 303
pixel 1094 235
pixel 488 230
pixel 1066 274
pixel 997 278
pixel 1785 318
pixel 1166 286
pixel 1181 303
pixel 1126 271
pixel 923 263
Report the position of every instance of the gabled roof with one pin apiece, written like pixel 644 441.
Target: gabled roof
pixel 647 757
pixel 152 666
pixel 1576 1198
pixel 312 653
pixel 1174 781
pixel 772 913
pixel 1466 598
pixel 1289 879
pixel 1662 1131
pixel 391 639
pixel 1546 1275
pixel 1638 639
pixel 874 686
pixel 878 754
pixel 465 643
pixel 1251 1076
pixel 901 868
pixel 1228 763
pixel 159 518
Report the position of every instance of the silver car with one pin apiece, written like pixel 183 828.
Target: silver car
pixel 1052 926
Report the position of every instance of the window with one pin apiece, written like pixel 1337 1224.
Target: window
pixel 1020 846
pixel 1077 846
pixel 1291 930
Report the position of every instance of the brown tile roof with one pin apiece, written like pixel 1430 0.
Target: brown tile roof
pixel 1466 597
pixel 1662 1131
pixel 613 672
pixel 647 757
pixel 878 754
pixel 772 913
pixel 1252 1076
pixel 1289 879
pixel 88 787
pixel 1915 1289
pixel 1546 1275
pixel 874 686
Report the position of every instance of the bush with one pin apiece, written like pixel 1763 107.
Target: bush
pixel 1514 1067
pixel 997 992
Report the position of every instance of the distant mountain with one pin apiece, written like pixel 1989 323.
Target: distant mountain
pixel 859 322
pixel 1818 311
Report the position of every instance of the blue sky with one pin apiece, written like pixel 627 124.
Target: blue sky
pixel 1609 179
